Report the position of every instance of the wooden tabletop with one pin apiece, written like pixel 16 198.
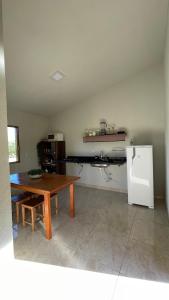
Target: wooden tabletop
pixel 47 183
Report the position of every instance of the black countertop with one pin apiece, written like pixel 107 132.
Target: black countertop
pixel 95 160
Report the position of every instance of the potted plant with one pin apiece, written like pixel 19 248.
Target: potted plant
pixel 35 173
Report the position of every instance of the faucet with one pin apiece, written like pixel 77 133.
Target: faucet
pixel 101 154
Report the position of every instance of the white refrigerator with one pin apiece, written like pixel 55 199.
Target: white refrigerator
pixel 140 175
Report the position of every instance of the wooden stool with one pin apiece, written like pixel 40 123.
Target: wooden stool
pixel 18 200
pixel 32 205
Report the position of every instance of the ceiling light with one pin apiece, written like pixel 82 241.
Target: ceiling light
pixel 57 76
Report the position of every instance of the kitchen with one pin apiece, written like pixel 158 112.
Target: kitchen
pixel 99 204
pixel 80 76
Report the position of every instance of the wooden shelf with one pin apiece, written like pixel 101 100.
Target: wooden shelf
pixel 104 138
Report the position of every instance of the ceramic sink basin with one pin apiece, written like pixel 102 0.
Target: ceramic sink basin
pixel 97 165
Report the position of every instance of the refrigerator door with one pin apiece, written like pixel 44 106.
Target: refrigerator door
pixel 140 175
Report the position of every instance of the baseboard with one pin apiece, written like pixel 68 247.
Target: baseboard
pixel 157 197
pixel 101 187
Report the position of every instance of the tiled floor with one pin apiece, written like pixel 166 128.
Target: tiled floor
pixel 107 235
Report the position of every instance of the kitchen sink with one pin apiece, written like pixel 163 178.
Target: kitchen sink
pixel 100 165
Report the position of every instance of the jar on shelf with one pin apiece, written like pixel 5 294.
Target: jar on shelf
pixel 103 126
pixel 97 131
pixel 110 129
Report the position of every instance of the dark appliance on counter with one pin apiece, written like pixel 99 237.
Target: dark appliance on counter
pixel 51 155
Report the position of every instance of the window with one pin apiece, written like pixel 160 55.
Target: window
pixel 13 144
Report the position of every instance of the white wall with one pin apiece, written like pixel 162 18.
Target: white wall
pixel 138 105
pixel 167 115
pixel 6 243
pixel 32 128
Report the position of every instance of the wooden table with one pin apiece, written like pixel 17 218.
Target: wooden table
pixel 47 185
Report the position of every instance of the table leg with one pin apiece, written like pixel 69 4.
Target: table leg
pixel 72 201
pixel 47 216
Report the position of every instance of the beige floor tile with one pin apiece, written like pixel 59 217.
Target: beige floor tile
pixel 118 220
pixel 152 233
pixel 145 261
pixel 103 252
pixel 157 215
pixel 107 235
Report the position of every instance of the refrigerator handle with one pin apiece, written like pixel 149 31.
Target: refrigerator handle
pixel 134 154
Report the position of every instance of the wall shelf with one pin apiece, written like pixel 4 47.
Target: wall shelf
pixel 105 138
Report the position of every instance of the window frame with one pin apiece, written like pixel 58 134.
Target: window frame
pixel 18 145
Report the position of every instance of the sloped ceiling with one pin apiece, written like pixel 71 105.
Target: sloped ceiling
pixel 95 43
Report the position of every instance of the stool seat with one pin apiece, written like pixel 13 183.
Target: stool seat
pixel 33 202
